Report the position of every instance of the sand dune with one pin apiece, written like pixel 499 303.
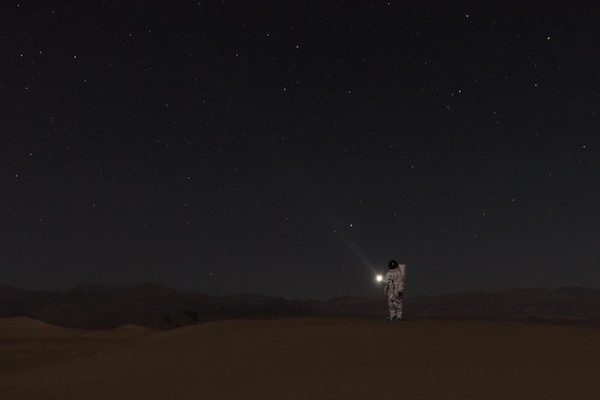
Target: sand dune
pixel 26 343
pixel 20 327
pixel 129 330
pixel 323 359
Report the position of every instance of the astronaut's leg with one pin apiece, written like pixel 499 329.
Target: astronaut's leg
pixel 391 306
pixel 400 305
pixel 395 306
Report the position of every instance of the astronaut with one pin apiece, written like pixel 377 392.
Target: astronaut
pixel 394 288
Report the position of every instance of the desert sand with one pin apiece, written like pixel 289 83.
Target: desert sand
pixel 301 359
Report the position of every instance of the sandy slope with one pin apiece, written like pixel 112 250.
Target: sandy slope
pixel 327 359
pixel 26 343
pixel 29 327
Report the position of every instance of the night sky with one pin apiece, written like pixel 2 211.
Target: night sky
pixel 294 147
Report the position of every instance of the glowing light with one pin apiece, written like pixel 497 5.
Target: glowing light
pixel 379 278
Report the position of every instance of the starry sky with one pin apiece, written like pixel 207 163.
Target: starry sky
pixel 294 147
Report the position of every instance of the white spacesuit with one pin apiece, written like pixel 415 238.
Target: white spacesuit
pixel 394 288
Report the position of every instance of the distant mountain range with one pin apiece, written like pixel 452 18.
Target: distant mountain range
pixel 103 306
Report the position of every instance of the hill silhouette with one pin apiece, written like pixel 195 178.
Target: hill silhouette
pixel 151 305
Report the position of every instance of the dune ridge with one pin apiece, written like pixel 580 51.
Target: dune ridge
pixel 26 343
